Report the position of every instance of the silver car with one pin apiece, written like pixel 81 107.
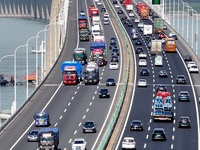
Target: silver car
pixel 32 136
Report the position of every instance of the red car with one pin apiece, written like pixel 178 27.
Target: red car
pixel 161 35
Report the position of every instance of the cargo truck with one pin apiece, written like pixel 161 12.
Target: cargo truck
pixel 144 13
pixel 71 72
pixel 79 54
pixel 91 73
pixel 148 30
pixel 127 2
pixel 98 45
pixel 48 138
pixel 156 47
pixel 95 20
pixel 82 21
pixel 158 25
pixel 98 56
pixel 90 10
pixel 99 38
pixel 84 35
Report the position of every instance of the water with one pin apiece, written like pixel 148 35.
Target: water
pixel 16 32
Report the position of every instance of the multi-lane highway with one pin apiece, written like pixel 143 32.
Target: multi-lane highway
pixel 68 106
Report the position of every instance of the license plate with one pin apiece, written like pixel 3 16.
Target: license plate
pixel 90 81
pixel 70 81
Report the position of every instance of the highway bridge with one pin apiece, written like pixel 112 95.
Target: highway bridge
pixel 69 106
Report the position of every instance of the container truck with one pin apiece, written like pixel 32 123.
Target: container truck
pixel 82 21
pixel 48 138
pixel 156 46
pixel 158 25
pixel 71 72
pixel 79 54
pixel 91 73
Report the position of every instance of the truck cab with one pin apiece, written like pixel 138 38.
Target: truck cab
pixel 82 21
pixel 91 73
pixel 79 54
pixel 84 35
pixel 70 75
pixel 97 56
pixel 94 12
pixel 41 119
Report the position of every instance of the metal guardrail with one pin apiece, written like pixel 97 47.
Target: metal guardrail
pixel 112 123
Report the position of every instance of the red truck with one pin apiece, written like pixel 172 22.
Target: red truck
pixel 140 7
pixel 82 22
pixel 144 14
pixel 98 56
pixel 90 12
pixel 94 12
pixel 127 2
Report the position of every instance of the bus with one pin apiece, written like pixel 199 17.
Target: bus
pixel 170 45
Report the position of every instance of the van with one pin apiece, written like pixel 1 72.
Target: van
pixel 170 45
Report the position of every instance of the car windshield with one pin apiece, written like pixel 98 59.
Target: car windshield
pixel 70 72
pixel 89 123
pixel 104 90
pixel 33 133
pixel 129 140
pixel 110 80
pixel 43 116
pixel 158 131
pixel 136 122
pixel 78 142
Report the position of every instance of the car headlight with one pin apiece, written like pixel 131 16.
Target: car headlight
pixel 99 93
pixel 95 80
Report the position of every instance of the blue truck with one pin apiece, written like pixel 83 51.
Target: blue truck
pixel 48 138
pixel 41 119
pixel 98 45
pixel 71 72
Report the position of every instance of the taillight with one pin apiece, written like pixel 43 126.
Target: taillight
pixel 180 120
pixel 188 121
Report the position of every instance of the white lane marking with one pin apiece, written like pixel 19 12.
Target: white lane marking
pixel 153 95
pixel 90 103
pixel 171 76
pixel 75 132
pixel 173 90
pixel 60 117
pixel 55 124
pixel 80 124
pixel 172 146
pixel 168 64
pixel 172 85
pixel 172 81
pixel 95 92
pixel 173 129
pixel 174 121
pixel 78 87
pixel 153 76
pixel 97 87
pixel 174 107
pixel 147 136
pixel 154 85
pixel 151 113
pixel 69 103
pixel 150 120
pixel 152 71
pixel 149 128
pixel 93 97
pixel 174 95
pixel 102 69
pixel 72 98
pixel 174 101
pixel 169 68
pixel 153 90
pixel 172 137
pixel 145 145
pixel 170 72
pixel 75 92
pixel 174 114
pixel 70 141
pixel 65 110
pixel 87 110
pixel 84 117
pixel 102 73
pixel 100 78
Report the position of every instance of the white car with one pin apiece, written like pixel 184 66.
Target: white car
pixel 105 18
pixel 113 66
pixel 142 82
pixel 82 13
pixel 141 24
pixel 96 0
pixel 137 20
pixel 191 64
pixel 79 143
pixel 128 143
pixel 194 68
pixel 106 22
pixel 142 62
pixel 106 14
pixel 171 33
pixel 116 6
pixel 142 55
pixel 99 3
pixel 131 14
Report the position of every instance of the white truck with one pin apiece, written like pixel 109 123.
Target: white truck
pixel 129 7
pixel 158 61
pixel 148 29
pixel 156 47
pixel 95 20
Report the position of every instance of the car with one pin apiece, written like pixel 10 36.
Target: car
pixel 191 64
pixel 114 2
pixel 114 58
pixel 165 27
pixel 143 55
pixel 139 49
pixel 135 36
pixel 32 136
pixel 82 13
pixel 184 121
pixel 140 24
pixel 113 66
pixel 137 20
pixel 106 14
pixel 130 24
pixel 89 126
pixel 149 44
pixel 161 35
pixel 136 125
pixel 106 22
pixel 110 82
pixel 131 14
pixel 103 9
pixel 115 51
pixel 142 83
pixel 171 33
pixel 79 143
pixel 113 40
pixel 159 134
pixel 104 93
pixel 175 37
pixel 141 29
pixel 134 31
pixel 121 1
pixel 194 69
pixel 184 96
pixel 42 119
pixel 163 73
pixel 106 18
pixel 126 21
pixel 187 58
pixel 120 11
pixel 144 72
pixel 180 79
pixel 142 62
pixel 138 42
pixel 112 45
pixel 124 17
pixel 161 88
pixel 128 143
pixel 99 3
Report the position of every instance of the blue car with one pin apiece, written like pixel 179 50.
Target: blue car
pixel 42 119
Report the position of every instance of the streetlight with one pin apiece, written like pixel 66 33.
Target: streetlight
pixel 15 72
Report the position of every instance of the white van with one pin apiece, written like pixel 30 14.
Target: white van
pixel 95 30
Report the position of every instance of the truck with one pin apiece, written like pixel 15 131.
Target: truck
pixel 158 25
pixel 148 30
pixel 129 7
pixel 91 73
pixel 71 72
pixel 82 21
pixel 140 7
pixel 98 45
pixel 48 138
pixel 156 46
pixel 158 61
pixel 95 20
pixel 144 13
pixel 79 54
pixel 94 12
pixel 90 10
pixel 84 35
pixel 162 115
pixel 99 38
pixel 127 2
pixel 98 56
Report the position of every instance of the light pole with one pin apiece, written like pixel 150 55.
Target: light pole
pixel 15 72
pixel 27 65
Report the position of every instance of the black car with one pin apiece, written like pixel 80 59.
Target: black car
pixel 136 125
pixel 120 11
pixel 32 136
pixel 113 45
pixel 154 16
pixel 138 42
pixel 89 126
pixel 175 37
pixel 184 96
pixel 161 88
pixel 126 21
pixel 115 51
pixel 114 58
pixel 159 134
pixel 104 93
pixel 124 17
pixel 188 58
pixel 130 24
pixel 103 9
pixel 180 79
pixel 144 72
pixel 163 73
pixel 113 40
pixel 184 121
pixel 121 1
pixel 110 82
pixel 138 50
pixel 114 2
